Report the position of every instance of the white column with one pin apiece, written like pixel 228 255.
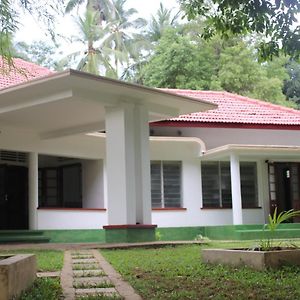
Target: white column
pixel 236 190
pixel 128 169
pixel 33 189
pixel 143 204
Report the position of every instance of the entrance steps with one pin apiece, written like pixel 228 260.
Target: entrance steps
pixel 22 236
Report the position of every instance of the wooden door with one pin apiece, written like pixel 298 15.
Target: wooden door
pixel 13 197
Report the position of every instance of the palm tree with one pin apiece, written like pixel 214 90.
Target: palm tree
pixel 103 7
pixel 96 57
pixel 121 37
pixel 163 19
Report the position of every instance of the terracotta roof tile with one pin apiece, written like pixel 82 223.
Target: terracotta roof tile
pixel 20 72
pixel 237 109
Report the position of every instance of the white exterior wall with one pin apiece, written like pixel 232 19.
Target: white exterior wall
pixel 195 215
pixel 217 137
pixel 71 219
pixel 92 184
pixel 94 178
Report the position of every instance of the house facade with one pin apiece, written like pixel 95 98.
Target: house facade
pixel 74 156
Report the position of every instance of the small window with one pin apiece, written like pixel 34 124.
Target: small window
pixel 166 184
pixel 216 184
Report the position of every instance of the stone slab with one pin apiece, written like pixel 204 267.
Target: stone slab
pixel 83 261
pixel 84 273
pixel 17 273
pixel 96 291
pixel 48 274
pixel 92 280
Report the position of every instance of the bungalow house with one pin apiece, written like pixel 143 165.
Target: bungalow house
pixel 75 153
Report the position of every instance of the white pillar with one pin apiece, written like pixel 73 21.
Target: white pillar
pixel 236 190
pixel 33 189
pixel 128 165
pixel 143 204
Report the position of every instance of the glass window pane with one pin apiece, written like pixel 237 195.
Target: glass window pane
pixel 156 184
pixel 172 183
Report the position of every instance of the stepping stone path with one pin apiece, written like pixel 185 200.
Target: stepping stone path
pixel 86 274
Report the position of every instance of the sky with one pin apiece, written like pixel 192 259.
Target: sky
pixel 30 30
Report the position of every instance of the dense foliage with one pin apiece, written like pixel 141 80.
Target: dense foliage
pixel 184 60
pixel 167 51
pixel 277 20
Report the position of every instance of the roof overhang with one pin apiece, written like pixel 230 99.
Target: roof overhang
pixel 73 102
pixel 265 152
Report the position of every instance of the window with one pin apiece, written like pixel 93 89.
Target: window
pixel 166 184
pixel 60 186
pixel 216 184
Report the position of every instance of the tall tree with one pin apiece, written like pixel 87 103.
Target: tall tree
pixel 9 20
pixel 38 52
pixel 96 56
pixel 104 8
pixel 178 63
pixel 162 20
pixel 291 86
pixel 120 38
pixel 183 60
pixel 277 20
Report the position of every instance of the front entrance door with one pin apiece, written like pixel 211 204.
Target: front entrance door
pixel 13 197
pixel 285 189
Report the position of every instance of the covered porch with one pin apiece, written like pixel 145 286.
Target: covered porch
pixel 52 116
pixel 277 181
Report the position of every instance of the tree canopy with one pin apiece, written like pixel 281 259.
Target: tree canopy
pixel 184 60
pixel 276 20
pixel 44 10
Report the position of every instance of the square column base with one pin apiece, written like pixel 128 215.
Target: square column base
pixel 129 233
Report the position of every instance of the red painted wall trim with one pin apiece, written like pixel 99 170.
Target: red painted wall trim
pixel 223 125
pixel 256 207
pixel 72 209
pixel 169 209
pixel 130 226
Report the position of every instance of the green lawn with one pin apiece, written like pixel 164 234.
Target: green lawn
pixel 47 260
pixel 44 289
pixel 177 273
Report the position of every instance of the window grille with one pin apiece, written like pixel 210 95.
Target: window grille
pixel 13 156
pixel 166 184
pixel 216 184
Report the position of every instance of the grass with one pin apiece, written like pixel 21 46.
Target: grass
pixel 47 260
pixel 178 273
pixel 43 289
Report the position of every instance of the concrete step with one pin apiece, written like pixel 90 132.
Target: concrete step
pixel 5 239
pixel 20 232
pixel 280 233
pixel 108 292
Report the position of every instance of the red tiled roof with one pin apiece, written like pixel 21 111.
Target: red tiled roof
pixel 236 109
pixel 21 71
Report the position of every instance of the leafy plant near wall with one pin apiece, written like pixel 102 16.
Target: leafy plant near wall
pixel 267 244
